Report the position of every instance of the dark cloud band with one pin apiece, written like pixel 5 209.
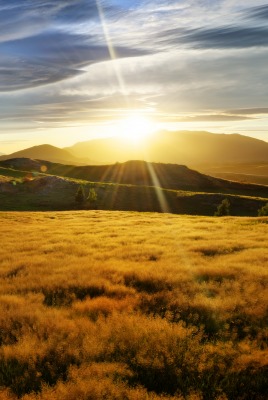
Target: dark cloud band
pixel 52 56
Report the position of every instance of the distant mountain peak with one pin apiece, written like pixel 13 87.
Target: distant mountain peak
pixel 46 152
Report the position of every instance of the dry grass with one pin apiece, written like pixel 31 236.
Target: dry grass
pixel 121 305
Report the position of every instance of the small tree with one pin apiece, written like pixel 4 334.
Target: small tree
pixel 92 196
pixel 80 195
pixel 223 208
pixel 263 212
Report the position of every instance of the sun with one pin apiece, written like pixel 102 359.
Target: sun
pixel 135 128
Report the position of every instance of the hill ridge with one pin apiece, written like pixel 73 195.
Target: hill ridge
pixel 46 152
pixel 138 172
pixel 180 147
pixel 177 147
pixel 123 186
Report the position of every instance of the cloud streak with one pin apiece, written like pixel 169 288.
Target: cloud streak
pixel 260 12
pixel 40 41
pixel 50 57
pixel 249 111
pixel 231 37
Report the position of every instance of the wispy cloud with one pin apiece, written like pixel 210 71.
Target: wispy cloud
pixel 43 43
pixel 226 37
pixel 260 12
pixel 207 117
pixel 51 56
pixel 249 111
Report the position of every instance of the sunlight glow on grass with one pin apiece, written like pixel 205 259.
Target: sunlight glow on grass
pixel 135 306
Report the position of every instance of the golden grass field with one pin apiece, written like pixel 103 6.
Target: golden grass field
pixel 126 305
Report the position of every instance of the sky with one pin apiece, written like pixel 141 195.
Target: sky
pixel 72 70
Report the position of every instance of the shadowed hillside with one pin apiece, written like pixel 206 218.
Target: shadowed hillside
pixel 168 176
pixel 135 186
pixel 55 193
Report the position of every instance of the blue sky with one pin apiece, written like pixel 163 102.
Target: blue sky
pixel 70 70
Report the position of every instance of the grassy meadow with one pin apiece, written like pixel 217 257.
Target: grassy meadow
pixel 127 305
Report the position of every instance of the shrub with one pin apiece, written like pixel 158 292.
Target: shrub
pixel 92 196
pixel 80 195
pixel 223 208
pixel 263 212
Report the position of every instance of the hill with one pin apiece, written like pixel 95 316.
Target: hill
pixel 182 147
pixel 140 173
pixel 218 155
pixel 133 186
pixel 45 152
pixel 241 172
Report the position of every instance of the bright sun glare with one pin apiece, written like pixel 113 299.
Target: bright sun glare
pixel 135 128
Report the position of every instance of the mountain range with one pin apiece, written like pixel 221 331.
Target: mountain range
pixel 182 147
pixel 229 156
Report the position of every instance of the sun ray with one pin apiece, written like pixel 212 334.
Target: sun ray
pixel 111 49
pixel 157 186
